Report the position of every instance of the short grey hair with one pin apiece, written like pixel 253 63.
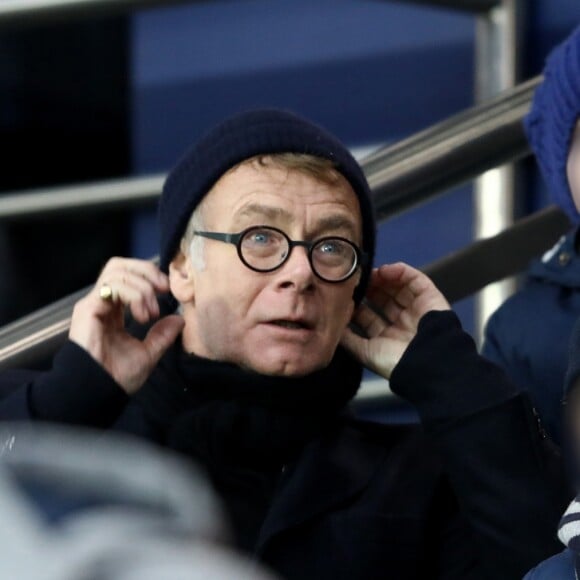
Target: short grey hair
pixel 192 245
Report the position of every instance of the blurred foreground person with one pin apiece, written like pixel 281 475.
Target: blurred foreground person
pixel 270 308
pixel 75 506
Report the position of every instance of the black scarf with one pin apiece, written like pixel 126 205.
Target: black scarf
pixel 244 427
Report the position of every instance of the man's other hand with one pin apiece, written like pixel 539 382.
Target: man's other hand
pixel 97 323
pixel 397 298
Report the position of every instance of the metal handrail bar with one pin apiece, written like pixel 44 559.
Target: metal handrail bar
pixel 37 336
pixel 477 6
pixel 450 153
pixel 401 175
pixel 26 12
pixel 110 194
pixel 498 257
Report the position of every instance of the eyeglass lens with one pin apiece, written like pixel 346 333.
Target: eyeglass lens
pixel 266 249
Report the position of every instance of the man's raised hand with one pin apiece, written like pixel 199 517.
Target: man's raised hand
pixel 97 323
pixel 397 298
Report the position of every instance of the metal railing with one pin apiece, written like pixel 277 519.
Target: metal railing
pixel 34 12
pixel 402 175
pixel 476 6
pixel 450 153
pixel 27 12
pixel 498 257
pixel 104 195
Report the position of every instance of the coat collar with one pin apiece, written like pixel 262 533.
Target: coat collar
pixel 330 471
pixel 561 264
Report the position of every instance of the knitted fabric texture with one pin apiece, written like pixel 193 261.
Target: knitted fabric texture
pixel 241 137
pixel 551 121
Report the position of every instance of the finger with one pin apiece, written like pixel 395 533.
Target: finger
pixel 369 321
pixel 386 299
pixel 398 282
pixel 414 285
pixel 402 275
pixel 94 305
pixel 162 335
pixel 392 310
pixel 137 302
pixel 123 295
pixel 117 267
pixel 132 290
pixel 88 317
pixel 355 344
pixel 143 292
pixel 381 301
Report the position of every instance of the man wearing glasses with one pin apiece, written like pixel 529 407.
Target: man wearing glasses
pixel 248 360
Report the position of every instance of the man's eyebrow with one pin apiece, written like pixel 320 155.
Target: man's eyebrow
pixel 266 211
pixel 271 213
pixel 337 222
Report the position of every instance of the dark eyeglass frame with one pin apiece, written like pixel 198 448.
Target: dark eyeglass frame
pixel 236 240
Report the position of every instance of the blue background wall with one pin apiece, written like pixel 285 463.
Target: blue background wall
pixel 370 71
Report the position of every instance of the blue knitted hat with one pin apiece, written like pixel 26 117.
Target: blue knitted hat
pixel 551 121
pixel 246 135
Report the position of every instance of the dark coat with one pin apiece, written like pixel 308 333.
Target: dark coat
pixel 528 335
pixel 476 493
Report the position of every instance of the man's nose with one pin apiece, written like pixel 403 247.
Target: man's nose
pixel 297 272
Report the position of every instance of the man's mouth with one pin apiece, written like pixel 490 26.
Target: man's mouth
pixel 292 324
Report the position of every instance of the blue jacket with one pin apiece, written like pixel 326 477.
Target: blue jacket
pixel 559 567
pixel 528 336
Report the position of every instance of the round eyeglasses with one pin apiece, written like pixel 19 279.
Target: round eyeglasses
pixel 264 249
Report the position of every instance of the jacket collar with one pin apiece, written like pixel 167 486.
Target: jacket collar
pixel 561 264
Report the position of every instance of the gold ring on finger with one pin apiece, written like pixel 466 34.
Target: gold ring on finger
pixel 106 293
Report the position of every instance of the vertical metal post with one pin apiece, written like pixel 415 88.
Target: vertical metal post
pixel 497 48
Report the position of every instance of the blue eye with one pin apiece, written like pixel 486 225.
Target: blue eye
pixel 262 242
pixel 329 248
pixel 261 237
pixel 332 247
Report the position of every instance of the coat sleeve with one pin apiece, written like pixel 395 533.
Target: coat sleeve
pixel 494 344
pixel 508 478
pixel 559 567
pixel 77 391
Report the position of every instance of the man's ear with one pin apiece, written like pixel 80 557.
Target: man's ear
pixel 181 277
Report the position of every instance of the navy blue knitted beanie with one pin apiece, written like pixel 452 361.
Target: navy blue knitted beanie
pixel 551 121
pixel 246 135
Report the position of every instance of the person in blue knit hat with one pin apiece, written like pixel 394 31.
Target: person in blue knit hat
pixel 528 334
pixel 247 364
